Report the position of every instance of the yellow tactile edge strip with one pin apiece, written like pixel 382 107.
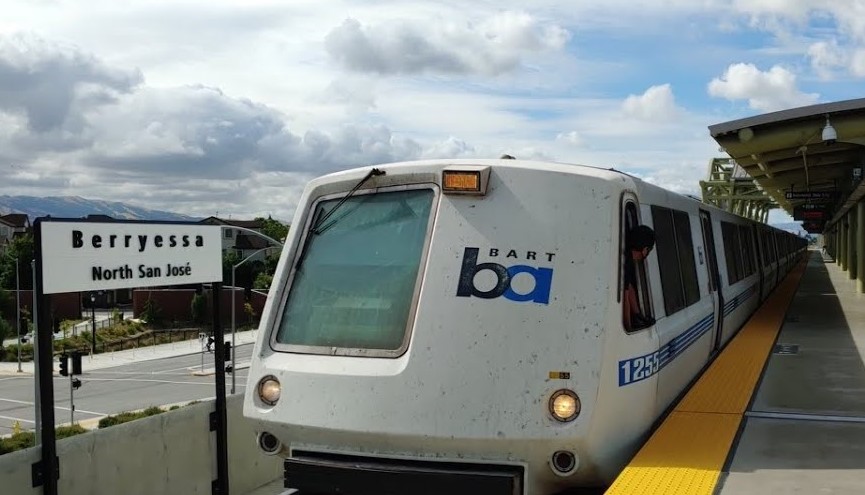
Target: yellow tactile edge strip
pixel 686 453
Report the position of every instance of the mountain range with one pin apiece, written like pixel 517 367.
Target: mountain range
pixel 78 207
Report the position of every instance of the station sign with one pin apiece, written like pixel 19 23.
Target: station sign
pixel 811 212
pixel 810 195
pixel 813 227
pixel 82 256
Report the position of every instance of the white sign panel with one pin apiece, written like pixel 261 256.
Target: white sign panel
pixel 84 256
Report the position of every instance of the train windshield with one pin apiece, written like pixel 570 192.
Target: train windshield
pixel 352 293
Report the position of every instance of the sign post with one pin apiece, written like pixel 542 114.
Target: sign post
pixel 74 255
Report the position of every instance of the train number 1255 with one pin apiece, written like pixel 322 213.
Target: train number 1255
pixel 638 368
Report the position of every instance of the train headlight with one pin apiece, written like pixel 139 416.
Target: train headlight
pixel 564 405
pixel 269 390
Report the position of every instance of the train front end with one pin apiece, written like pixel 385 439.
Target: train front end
pixel 436 327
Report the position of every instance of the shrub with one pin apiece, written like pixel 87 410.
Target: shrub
pixel 68 431
pixel 18 441
pixel 198 308
pixel 152 312
pixel 5 329
pixel 126 417
pixel 263 281
pixel 250 312
pixel 12 353
pixel 27 439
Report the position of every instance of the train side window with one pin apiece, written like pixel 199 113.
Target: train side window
pixel 675 258
pixel 732 252
pixel 747 250
pixel 685 245
pixel 634 270
pixel 770 247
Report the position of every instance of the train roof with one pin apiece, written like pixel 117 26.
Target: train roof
pixel 624 180
pixel 610 174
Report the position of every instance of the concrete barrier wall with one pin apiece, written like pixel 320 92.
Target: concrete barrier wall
pixel 170 453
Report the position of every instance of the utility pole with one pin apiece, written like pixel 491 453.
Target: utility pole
pixel 93 322
pixel 18 311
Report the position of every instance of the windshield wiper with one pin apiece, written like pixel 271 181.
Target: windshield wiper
pixel 318 220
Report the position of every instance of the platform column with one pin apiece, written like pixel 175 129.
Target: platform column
pixel 860 246
pixel 845 234
pixel 842 241
pixel 835 243
pixel 852 233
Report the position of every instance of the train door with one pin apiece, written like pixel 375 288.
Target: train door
pixel 714 278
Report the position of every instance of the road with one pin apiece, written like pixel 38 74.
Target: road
pixel 122 388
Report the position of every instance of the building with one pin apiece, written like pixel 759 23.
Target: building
pixel 12 225
pixel 236 237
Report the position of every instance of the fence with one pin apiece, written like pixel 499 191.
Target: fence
pixel 147 338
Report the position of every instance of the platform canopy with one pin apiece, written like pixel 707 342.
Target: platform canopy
pixel 808 159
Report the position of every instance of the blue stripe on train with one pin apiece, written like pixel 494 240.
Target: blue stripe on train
pixel 641 367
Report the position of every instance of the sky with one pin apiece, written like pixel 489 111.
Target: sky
pixel 229 107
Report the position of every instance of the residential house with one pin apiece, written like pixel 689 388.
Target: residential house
pixel 12 225
pixel 236 237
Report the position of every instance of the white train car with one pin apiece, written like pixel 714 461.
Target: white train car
pixel 456 325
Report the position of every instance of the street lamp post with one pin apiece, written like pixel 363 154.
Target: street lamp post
pixel 233 350
pixel 18 311
pixel 93 323
pixel 275 243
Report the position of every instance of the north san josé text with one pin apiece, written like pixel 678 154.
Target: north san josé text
pixel 125 272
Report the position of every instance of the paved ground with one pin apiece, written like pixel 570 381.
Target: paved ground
pixel 122 381
pixel 805 432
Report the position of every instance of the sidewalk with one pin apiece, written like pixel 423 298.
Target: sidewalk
pixel 119 358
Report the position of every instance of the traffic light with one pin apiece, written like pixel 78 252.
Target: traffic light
pixel 227 355
pixel 64 365
pixel 76 363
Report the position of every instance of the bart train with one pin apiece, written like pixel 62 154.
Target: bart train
pixel 454 326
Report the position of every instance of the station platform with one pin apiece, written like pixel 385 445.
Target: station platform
pixel 792 424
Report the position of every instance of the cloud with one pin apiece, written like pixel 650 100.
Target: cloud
pixel 767 91
pixel 655 104
pixel 857 63
pixel 572 138
pixel 796 10
pixel 826 57
pixel 492 47
pixel 193 147
pixel 451 148
pixel 48 82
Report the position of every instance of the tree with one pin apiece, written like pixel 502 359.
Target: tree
pixel 21 248
pixel 273 228
pixel 229 259
pixel 263 281
pixel 152 313
pixel 199 308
